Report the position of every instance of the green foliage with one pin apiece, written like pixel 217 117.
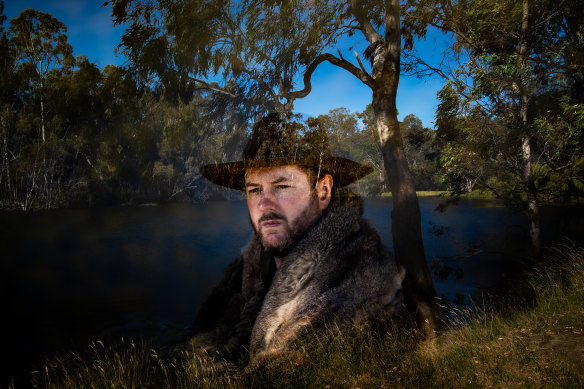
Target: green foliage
pixel 423 153
pixel 515 90
pixel 354 136
pixel 346 139
pixel 482 153
pixel 40 41
pixel 114 137
pixel 109 138
pixel 260 45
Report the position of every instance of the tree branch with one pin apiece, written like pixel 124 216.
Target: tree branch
pixel 359 61
pixel 372 36
pixel 206 85
pixel 360 74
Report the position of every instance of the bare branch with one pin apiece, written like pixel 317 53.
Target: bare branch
pixel 206 85
pixel 359 61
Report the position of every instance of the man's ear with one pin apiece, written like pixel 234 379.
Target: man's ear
pixel 324 188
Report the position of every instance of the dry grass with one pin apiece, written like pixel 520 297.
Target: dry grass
pixel 132 365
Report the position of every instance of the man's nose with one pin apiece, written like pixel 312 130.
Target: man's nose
pixel 266 201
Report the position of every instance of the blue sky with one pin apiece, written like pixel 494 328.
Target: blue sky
pixel 90 29
pixel 92 33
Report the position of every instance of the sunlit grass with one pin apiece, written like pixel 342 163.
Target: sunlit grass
pixel 479 195
pixel 423 193
pixel 534 339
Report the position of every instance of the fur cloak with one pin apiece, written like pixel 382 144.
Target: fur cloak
pixel 338 274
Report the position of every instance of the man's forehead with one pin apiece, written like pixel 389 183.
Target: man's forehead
pixel 288 172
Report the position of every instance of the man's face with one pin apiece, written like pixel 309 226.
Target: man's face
pixel 282 204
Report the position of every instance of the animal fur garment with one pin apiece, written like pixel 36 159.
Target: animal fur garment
pixel 338 274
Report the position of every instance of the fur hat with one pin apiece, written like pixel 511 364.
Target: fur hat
pixel 275 141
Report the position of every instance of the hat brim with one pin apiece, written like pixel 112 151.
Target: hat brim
pixel 232 174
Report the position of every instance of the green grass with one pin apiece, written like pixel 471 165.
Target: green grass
pixel 534 339
pixel 480 195
pixel 476 194
pixel 423 193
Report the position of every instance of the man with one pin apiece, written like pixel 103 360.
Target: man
pixel 312 262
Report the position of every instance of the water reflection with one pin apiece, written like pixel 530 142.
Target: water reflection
pixel 72 276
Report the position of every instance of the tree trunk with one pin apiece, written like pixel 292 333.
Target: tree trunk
pixel 406 219
pixel 42 111
pixel 532 201
pixel 528 179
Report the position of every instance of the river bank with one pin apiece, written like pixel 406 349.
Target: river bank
pixel 537 340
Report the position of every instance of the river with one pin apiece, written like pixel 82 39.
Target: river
pixel 69 277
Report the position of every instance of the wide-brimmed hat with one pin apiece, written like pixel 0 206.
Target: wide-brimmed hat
pixel 275 141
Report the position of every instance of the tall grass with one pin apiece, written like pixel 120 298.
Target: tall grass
pixel 538 341
pixel 135 365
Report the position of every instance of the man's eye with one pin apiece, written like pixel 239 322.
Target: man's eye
pixel 253 191
pixel 282 186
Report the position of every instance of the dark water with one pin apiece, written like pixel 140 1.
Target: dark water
pixel 72 276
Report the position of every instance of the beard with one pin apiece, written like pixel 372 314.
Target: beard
pixel 294 230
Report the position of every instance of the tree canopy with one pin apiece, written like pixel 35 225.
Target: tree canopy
pixel 519 67
pixel 39 43
pixel 111 138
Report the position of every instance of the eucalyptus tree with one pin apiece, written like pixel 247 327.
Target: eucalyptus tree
pixel 7 80
pixel 7 91
pixel 40 45
pixel 515 62
pixel 423 153
pixel 272 48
